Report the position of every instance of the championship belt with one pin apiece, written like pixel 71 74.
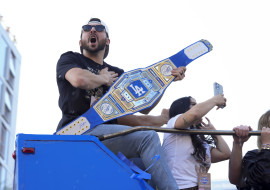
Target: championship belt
pixel 135 90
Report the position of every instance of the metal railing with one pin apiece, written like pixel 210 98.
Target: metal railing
pixel 180 131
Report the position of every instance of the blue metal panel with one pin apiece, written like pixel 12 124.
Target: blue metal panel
pixel 70 162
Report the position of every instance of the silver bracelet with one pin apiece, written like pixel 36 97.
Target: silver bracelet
pixel 266 146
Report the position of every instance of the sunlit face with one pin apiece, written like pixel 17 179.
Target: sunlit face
pixel 93 40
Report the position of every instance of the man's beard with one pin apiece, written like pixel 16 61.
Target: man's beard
pixel 101 46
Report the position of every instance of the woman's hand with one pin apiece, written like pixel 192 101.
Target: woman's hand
pixel 241 134
pixel 208 125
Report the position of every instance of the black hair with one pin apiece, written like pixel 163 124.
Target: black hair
pixel 107 34
pixel 181 106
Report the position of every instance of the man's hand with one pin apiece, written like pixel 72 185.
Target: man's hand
pixel 241 134
pixel 109 76
pixel 179 73
pixel 165 115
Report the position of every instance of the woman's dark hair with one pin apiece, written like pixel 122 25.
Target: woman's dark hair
pixel 181 106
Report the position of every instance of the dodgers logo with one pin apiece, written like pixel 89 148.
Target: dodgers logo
pixel 166 70
pixel 204 180
pixel 137 89
pixel 106 108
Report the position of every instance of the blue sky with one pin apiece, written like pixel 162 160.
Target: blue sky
pixel 143 33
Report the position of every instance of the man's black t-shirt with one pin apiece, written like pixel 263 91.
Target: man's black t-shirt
pixel 75 101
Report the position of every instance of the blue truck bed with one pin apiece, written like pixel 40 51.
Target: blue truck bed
pixel 56 162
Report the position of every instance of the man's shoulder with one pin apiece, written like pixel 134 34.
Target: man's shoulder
pixel 70 53
pixel 68 60
pixel 69 57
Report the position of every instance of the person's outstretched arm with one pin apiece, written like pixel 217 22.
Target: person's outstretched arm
pixel 222 150
pixel 145 120
pixel 198 111
pixel 235 163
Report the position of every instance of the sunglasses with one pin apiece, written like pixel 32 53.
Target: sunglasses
pixel 98 28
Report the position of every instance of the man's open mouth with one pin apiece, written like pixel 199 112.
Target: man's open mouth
pixel 93 40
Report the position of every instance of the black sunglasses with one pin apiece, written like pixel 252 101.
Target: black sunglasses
pixel 98 28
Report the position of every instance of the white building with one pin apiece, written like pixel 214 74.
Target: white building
pixel 10 62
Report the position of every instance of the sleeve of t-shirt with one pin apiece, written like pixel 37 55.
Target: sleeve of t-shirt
pixel 172 121
pixel 66 62
pixel 170 125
